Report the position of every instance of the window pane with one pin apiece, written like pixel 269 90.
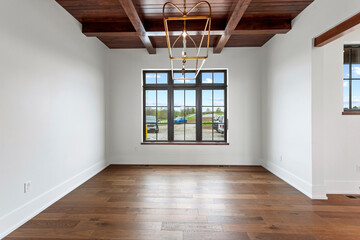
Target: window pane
pixel 179 115
pixel 356 71
pixel 190 75
pixel 347 63
pixel 179 75
pixel 179 132
pixel 219 77
pixel 206 77
pixel 162 78
pixel 150 97
pixel 207 97
pixel 162 115
pixel 190 98
pixel 218 97
pixel 207 116
pixel 150 78
pixel 190 132
pixel 179 122
pixel 163 132
pixel 346 71
pixel 150 115
pixel 207 132
pixel 356 94
pixel 218 121
pixel 151 124
pixel 219 125
pixel 179 98
pixel 356 63
pixel 190 114
pixel 346 94
pixel 219 132
pixel 162 97
pixel 218 112
pixel 151 135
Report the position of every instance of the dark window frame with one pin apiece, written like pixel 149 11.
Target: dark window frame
pixel 350 79
pixel 198 86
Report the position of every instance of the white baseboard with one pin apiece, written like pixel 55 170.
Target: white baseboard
pixel 319 192
pixel 176 160
pixel 298 183
pixel 343 187
pixel 24 213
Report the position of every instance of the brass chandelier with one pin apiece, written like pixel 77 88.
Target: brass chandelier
pixel 187 56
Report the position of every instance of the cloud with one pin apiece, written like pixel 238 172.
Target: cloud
pixel 346 83
pixel 162 104
pixel 355 101
pixel 357 70
pixel 208 80
pixel 219 101
pixel 150 75
pixel 190 81
pixel 150 103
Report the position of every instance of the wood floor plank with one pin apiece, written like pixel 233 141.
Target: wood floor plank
pixel 279 236
pixel 215 236
pixel 171 218
pixel 192 203
pixel 191 227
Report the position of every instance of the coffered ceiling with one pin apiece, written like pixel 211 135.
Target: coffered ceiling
pixel 138 23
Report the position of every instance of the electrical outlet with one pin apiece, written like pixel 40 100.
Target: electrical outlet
pixel 27 187
pixel 358 168
pixel 281 158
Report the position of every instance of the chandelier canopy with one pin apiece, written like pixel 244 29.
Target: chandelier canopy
pixel 192 56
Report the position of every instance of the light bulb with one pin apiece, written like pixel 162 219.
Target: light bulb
pixel 184 34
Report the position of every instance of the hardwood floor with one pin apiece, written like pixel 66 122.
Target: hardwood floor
pixel 192 203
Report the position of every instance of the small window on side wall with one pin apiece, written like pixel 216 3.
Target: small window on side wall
pixel 351 78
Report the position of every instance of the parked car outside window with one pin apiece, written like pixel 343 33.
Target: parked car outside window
pixel 151 124
pixel 180 120
pixel 221 125
pixel 216 122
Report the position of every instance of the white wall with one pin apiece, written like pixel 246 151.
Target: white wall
pixel 125 108
pixel 292 103
pixel 51 107
pixel 287 105
pixel 340 138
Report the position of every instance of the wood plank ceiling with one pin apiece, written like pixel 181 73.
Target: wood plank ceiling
pixel 138 23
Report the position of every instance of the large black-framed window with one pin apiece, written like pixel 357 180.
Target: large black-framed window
pixel 351 77
pixel 185 110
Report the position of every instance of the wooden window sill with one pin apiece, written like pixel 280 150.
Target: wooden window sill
pixel 185 143
pixel 351 113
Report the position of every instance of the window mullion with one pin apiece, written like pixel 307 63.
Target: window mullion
pixel 170 110
pixel 198 115
pixel 225 115
pixel 350 81
pixel 212 113
pixel 144 114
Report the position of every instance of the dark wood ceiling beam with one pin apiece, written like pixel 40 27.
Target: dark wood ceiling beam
pixel 340 30
pixel 264 23
pixel 239 11
pixel 110 11
pixel 134 18
pixel 245 27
